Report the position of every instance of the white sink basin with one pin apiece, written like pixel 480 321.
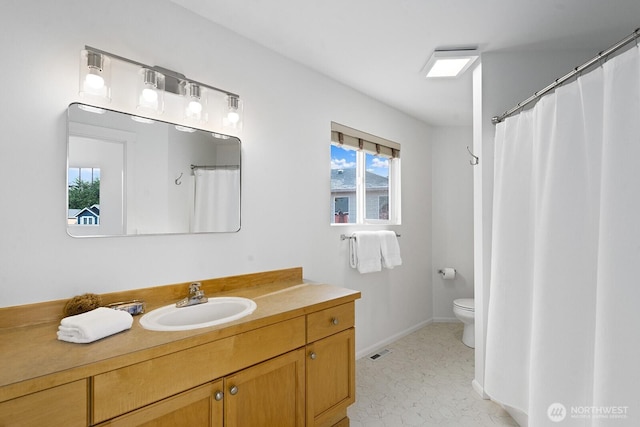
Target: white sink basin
pixel 213 312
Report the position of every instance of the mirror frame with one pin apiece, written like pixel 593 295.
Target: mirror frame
pixel 80 129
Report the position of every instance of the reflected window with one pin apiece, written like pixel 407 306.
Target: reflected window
pixel 84 196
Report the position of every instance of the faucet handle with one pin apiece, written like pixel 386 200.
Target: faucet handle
pixel 194 288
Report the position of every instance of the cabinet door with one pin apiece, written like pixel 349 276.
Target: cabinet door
pixel 269 394
pixel 131 387
pixel 64 405
pixel 201 406
pixel 330 378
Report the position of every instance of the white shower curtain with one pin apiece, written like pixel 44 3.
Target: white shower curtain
pixel 217 200
pixel 563 335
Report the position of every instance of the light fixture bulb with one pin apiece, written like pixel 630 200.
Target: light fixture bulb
pixel 151 90
pixel 195 103
pixel 149 95
pixel 95 76
pixel 195 107
pixel 94 80
pixel 233 116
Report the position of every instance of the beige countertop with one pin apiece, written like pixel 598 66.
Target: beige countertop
pixel 34 359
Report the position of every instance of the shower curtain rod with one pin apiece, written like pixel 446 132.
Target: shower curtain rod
pixel 622 43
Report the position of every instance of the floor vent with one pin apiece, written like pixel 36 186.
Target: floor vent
pixel 379 354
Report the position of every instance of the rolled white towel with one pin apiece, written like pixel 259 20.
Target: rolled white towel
pixel 93 325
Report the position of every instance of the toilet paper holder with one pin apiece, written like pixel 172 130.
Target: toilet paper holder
pixel 447 272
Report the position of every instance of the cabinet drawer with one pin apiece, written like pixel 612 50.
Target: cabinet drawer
pixel 195 407
pixel 125 389
pixel 65 405
pixel 330 321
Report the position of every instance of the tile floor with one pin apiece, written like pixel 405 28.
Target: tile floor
pixel 425 380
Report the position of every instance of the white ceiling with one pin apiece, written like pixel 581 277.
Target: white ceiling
pixel 379 46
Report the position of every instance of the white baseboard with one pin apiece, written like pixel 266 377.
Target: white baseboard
pixel 479 389
pixel 371 349
pixel 446 320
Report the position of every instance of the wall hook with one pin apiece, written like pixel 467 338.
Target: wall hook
pixel 475 159
pixel 177 181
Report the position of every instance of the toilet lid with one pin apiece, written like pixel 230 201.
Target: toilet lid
pixel 464 303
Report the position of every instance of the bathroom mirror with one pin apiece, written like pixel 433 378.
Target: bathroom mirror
pixel 132 176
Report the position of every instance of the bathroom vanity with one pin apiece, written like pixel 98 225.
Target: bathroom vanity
pixel 289 363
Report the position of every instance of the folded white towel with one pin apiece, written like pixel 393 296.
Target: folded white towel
pixel 93 325
pixel 367 248
pixel 390 249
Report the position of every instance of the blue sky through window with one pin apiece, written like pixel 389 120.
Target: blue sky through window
pixel 342 158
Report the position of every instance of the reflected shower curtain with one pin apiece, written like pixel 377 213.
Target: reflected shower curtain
pixel 563 335
pixel 217 200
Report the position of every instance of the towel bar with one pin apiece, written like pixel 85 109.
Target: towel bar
pixel 345 237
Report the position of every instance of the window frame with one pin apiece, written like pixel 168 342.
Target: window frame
pixel 361 143
pixel 88 220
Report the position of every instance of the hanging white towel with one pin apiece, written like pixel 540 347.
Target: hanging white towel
pixel 93 325
pixel 367 251
pixel 389 249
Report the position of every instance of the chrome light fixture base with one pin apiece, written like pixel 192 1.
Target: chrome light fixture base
pixel 154 82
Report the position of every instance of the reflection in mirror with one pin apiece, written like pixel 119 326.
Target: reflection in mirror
pixel 130 176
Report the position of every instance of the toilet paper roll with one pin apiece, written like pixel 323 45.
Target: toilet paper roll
pixel 448 273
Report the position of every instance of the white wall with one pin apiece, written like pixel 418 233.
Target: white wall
pixel 452 218
pixel 288 110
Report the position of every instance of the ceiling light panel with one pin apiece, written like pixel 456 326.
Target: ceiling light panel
pixel 449 63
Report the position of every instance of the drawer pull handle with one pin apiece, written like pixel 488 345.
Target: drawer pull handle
pixel 313 355
pixel 334 321
pixel 233 390
pixel 218 395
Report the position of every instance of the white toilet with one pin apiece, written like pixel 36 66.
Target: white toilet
pixel 464 310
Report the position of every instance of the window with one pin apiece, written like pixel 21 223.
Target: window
pixel 84 196
pixel 87 220
pixel 365 178
pixel 341 209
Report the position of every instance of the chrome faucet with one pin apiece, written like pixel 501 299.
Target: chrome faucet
pixel 196 296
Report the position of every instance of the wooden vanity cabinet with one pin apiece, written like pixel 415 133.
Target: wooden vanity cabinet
pixel 265 395
pixel 132 387
pixel 64 405
pixel 310 385
pixel 330 365
pixel 292 365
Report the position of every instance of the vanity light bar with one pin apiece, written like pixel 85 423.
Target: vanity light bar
pixel 175 82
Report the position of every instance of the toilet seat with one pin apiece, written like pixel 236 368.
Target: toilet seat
pixel 466 304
